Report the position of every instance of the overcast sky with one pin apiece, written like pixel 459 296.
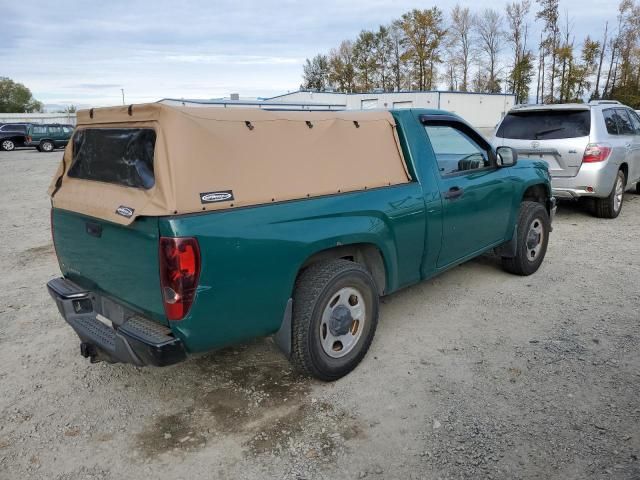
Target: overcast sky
pixel 84 52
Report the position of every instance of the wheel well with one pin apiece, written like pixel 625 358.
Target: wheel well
pixel 625 168
pixel 536 193
pixel 365 254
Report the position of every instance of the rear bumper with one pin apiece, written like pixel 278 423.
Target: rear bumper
pixel 592 180
pixel 136 340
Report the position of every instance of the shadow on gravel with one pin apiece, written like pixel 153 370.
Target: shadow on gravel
pixel 251 394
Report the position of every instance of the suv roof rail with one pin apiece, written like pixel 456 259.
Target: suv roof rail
pixel 604 102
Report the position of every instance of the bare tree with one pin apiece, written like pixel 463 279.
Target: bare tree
pixel 550 16
pixel 488 27
pixel 596 91
pixel 520 74
pixel 460 40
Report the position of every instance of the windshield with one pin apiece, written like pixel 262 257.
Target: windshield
pixel 545 125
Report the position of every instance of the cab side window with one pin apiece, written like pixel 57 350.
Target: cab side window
pixel 455 151
pixel 39 130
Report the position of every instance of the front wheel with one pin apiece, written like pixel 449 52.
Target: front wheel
pixel 610 207
pixel 8 145
pixel 532 239
pixel 335 314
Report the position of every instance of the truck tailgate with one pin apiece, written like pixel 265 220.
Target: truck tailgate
pixel 119 262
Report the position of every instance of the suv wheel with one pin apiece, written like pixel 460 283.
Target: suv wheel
pixel 638 188
pixel 46 146
pixel 533 237
pixel 610 207
pixel 335 314
pixel 8 145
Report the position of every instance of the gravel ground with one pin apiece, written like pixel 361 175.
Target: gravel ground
pixel 475 374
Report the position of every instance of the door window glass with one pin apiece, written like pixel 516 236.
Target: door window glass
pixel 624 126
pixel 635 121
pixel 455 151
pixel 55 130
pixel 39 130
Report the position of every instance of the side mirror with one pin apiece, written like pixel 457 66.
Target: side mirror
pixel 507 156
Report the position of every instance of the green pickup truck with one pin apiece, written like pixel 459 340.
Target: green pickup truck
pixel 182 230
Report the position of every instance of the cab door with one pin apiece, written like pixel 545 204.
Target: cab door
pixel 477 196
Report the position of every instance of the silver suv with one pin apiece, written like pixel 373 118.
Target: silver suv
pixel 593 150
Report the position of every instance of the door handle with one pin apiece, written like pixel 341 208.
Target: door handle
pixel 454 192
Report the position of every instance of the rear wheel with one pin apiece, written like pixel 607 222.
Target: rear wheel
pixel 8 145
pixel 638 188
pixel 533 237
pixel 335 314
pixel 46 146
pixel 610 207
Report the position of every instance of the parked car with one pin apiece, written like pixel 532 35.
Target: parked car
pixel 180 230
pixel 13 135
pixel 46 138
pixel 593 150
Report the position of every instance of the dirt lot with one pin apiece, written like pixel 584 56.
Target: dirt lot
pixel 475 374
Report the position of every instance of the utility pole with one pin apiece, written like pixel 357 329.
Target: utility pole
pixel 122 90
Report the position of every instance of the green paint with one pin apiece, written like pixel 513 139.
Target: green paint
pixel 251 256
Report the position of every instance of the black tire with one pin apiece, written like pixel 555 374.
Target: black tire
pixel 608 207
pixel 315 288
pixel 638 188
pixel 47 146
pixel 7 145
pixel 533 216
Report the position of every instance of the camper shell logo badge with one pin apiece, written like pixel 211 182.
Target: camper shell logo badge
pixel 214 197
pixel 125 211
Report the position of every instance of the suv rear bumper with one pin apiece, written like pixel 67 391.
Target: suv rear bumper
pixel 592 180
pixel 137 340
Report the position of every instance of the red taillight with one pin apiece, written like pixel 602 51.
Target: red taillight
pixel 596 152
pixel 179 274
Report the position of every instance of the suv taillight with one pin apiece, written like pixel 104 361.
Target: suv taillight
pixel 179 274
pixel 596 152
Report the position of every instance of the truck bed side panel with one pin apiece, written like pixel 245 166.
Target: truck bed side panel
pixel 251 256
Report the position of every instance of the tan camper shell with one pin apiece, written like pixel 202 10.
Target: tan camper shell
pixel 199 159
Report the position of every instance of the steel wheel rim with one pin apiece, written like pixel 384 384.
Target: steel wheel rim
pixel 534 239
pixel 346 306
pixel 7 145
pixel 617 197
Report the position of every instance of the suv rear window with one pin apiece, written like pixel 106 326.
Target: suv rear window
pixel 123 156
pixel 545 124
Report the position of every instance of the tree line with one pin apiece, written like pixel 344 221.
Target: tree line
pixel 490 52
